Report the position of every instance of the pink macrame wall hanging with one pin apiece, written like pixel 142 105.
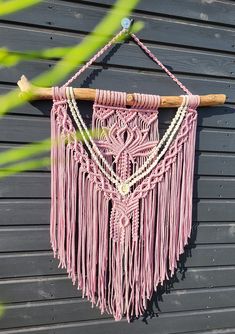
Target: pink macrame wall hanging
pixel 121 203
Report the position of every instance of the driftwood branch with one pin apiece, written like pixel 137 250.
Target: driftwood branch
pixel 88 94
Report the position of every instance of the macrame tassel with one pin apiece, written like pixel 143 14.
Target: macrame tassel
pixel 92 252
pixel 187 189
pixel 68 227
pixel 71 207
pixel 161 228
pixel 174 213
pixel 63 194
pixel 191 154
pixel 54 181
pixel 64 173
pixel 57 226
pixel 174 202
pixel 103 243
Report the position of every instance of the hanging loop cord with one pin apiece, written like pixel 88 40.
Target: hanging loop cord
pixel 93 59
pixel 141 45
pixel 156 60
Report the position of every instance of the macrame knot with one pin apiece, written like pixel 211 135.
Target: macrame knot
pixel 193 103
pixel 146 101
pixel 59 95
pixel 124 212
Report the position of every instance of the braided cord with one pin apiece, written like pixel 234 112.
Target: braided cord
pixel 81 125
pixel 141 45
pixel 144 169
pixel 93 59
pixel 156 60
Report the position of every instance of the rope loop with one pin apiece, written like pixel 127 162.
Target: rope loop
pixel 146 101
pixel 193 102
pixel 110 98
pixel 59 95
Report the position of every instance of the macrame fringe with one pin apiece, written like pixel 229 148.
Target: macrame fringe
pixel 117 268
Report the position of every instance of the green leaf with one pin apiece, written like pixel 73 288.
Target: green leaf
pixel 8 58
pixel 23 166
pixel 12 6
pixel 30 150
pixel 72 58
pixel 25 151
pixel 2 310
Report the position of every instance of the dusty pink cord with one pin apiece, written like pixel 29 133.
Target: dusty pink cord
pixel 141 45
pixel 156 60
pixel 93 59
pixel 119 256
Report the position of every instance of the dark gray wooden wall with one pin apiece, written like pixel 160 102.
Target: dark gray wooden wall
pixel 196 40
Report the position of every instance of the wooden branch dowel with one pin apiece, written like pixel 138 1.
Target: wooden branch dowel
pixel 88 94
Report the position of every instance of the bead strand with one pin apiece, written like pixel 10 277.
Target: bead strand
pixel 110 178
pixel 82 123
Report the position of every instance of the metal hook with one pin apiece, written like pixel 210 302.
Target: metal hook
pixel 127 24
